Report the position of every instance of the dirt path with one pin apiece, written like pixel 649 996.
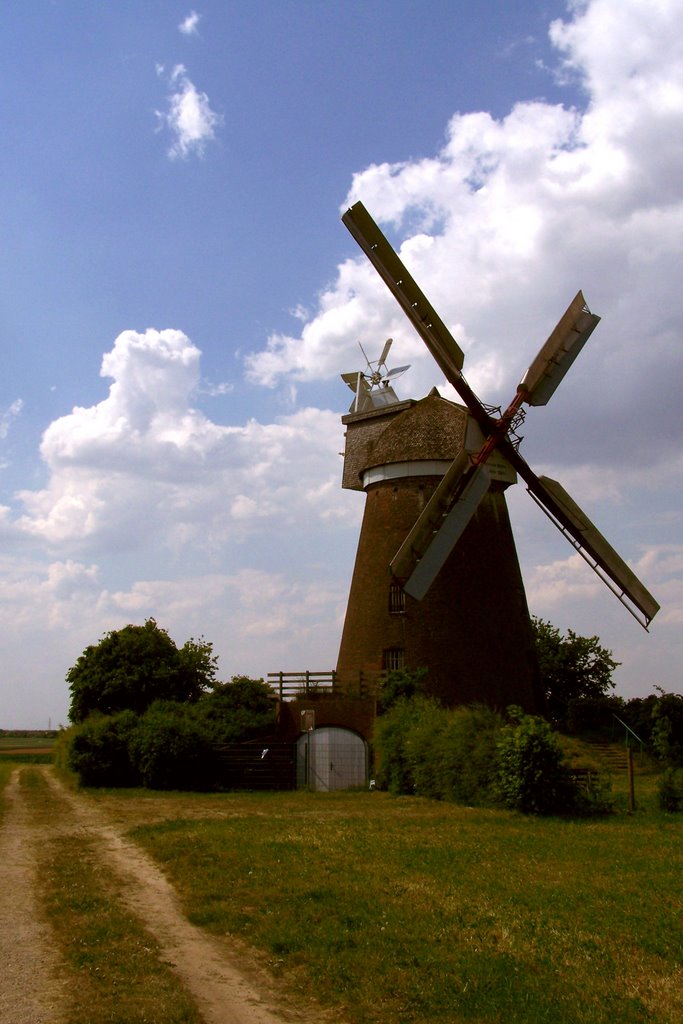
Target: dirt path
pixel 30 988
pixel 225 981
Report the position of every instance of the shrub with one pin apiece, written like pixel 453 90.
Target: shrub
pixel 426 749
pixel 667 728
pixel 670 790
pixel 239 710
pixel 401 684
pixel 466 755
pixel 396 754
pixel 531 776
pixel 171 749
pixel 97 750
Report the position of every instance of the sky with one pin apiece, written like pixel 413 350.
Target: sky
pixel 178 299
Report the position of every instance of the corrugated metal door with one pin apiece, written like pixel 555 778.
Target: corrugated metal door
pixel 331 758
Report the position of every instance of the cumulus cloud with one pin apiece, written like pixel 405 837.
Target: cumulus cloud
pixel 189 26
pixel 189 118
pixel 145 462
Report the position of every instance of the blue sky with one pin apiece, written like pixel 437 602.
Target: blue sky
pixel 178 298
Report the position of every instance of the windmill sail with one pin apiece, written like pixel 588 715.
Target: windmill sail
pixel 598 552
pixel 559 352
pixel 442 523
pixel 457 497
pixel 415 304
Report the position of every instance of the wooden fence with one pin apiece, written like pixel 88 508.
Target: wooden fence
pixel 290 685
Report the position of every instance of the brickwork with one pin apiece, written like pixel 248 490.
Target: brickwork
pixel 471 631
pixel 355 714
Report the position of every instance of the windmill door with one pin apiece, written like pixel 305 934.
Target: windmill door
pixel 331 758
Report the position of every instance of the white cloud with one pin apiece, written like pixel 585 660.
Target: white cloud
pixel 190 119
pixel 189 25
pixel 8 416
pixel 145 463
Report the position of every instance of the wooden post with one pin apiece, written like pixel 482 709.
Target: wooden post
pixel 631 789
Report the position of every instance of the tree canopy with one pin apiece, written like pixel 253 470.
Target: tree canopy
pixel 132 667
pixel 572 667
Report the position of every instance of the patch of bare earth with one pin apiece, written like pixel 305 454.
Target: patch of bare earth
pixel 226 980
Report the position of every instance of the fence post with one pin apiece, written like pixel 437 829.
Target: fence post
pixel 631 788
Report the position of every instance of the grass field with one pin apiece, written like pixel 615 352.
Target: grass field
pixel 406 911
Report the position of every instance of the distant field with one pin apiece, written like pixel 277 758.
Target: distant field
pixel 24 747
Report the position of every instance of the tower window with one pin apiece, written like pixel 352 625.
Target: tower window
pixel 397 599
pixel 394 659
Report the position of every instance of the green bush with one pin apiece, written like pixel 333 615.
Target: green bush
pixel 466 755
pixel 426 749
pixel 531 775
pixel 396 753
pixel 171 749
pixel 667 728
pixel 401 683
pixel 96 751
pixel 239 710
pixel 670 790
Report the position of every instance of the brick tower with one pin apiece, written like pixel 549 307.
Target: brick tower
pixel 471 631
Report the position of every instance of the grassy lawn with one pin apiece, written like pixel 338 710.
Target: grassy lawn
pixel 399 910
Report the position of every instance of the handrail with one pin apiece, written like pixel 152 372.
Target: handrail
pixel 629 729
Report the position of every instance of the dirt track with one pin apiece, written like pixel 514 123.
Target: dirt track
pixel 227 987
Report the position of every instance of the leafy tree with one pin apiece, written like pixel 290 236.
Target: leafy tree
pixel 132 667
pixel 239 710
pixel 572 667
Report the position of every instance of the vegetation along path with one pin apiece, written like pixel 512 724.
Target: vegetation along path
pixel 224 982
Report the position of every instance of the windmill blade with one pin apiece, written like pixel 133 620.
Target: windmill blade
pixel 440 526
pixel 415 304
pixel 563 511
pixel 559 352
pixel 385 352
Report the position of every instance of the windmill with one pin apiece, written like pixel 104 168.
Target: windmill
pixel 465 485
pixel 372 388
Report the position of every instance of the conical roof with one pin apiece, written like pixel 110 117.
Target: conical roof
pixel 432 429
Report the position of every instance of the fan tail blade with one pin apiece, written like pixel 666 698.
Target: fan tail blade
pixel 385 352
pixel 442 523
pixel 559 352
pixel 590 543
pixel 396 371
pixel 356 381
